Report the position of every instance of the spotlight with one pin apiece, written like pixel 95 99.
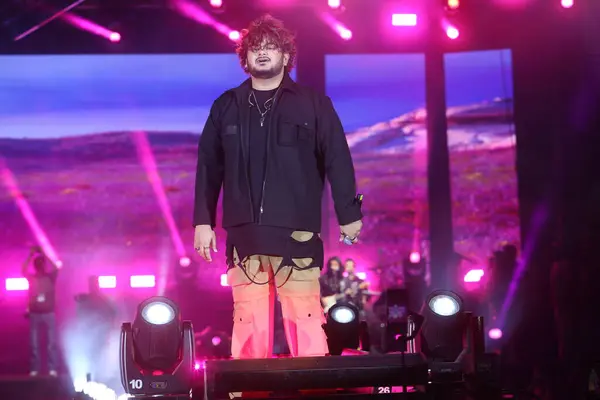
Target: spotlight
pixel 453 4
pixel 142 281
pixel 334 3
pixel 234 35
pixel 446 324
pixel 344 314
pixel 474 275
pixel 343 328
pixel 157 351
pixel 567 3
pixel 404 19
pixel 345 33
pixel 216 3
pixel 444 304
pixel 495 334
pixel 184 262
pixel 415 257
pixel 452 32
pixel 107 282
pixel 114 37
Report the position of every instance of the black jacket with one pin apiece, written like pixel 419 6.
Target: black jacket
pixel 306 142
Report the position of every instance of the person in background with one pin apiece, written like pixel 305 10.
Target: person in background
pixel 331 281
pixel 95 304
pixel 353 287
pixel 41 307
pixel 96 318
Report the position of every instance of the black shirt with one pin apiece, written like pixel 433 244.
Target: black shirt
pixel 353 283
pixel 258 144
pixel 253 239
pixel 330 284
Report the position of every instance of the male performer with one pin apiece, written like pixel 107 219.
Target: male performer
pixel 354 287
pixel 41 309
pixel 270 142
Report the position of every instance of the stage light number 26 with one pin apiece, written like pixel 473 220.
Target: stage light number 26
pixel 136 383
pixel 384 390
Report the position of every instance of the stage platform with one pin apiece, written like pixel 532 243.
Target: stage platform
pixel 42 387
pixel 342 377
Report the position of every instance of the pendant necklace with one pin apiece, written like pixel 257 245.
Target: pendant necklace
pixel 267 106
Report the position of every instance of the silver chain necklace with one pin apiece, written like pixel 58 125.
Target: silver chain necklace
pixel 268 104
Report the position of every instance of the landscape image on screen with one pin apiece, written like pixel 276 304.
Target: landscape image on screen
pixel 482 144
pixel 97 161
pixel 89 139
pixel 380 100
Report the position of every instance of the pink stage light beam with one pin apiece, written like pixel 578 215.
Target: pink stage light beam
pixel 15 192
pixel 146 157
pixel 92 27
pixel 336 26
pixel 194 12
pixel 47 21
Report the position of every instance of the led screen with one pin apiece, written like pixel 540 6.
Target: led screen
pixel 482 144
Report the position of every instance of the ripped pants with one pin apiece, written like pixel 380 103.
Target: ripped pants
pixel 253 315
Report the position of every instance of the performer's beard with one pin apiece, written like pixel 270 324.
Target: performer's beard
pixel 266 73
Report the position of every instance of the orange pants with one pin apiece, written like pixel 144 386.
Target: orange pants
pixel 299 294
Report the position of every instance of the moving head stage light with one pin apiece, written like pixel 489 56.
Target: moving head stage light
pixel 441 354
pixel 451 338
pixel 157 351
pixel 344 329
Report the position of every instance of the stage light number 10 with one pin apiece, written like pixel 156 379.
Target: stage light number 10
pixel 136 383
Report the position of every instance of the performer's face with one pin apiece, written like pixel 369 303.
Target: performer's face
pixel 334 265
pixel 39 264
pixel 266 61
pixel 349 267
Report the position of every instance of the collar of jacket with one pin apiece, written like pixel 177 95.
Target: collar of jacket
pixel 241 92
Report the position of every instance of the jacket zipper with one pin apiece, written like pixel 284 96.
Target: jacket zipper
pixel 246 126
pixel 264 182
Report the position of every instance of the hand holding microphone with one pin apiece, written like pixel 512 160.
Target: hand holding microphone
pixel 349 233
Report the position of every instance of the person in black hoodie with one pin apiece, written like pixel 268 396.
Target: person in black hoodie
pixel 270 143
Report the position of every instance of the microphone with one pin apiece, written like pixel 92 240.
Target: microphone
pixel 347 239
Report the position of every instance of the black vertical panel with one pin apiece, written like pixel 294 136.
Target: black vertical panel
pixel 547 72
pixel 443 270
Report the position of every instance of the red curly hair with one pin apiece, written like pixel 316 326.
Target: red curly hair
pixel 273 31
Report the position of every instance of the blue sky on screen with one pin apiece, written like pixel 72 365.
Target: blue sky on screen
pixel 54 96
pixel 485 75
pixel 368 89
pixel 64 95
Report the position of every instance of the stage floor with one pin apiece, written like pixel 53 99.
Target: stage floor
pixel 42 387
